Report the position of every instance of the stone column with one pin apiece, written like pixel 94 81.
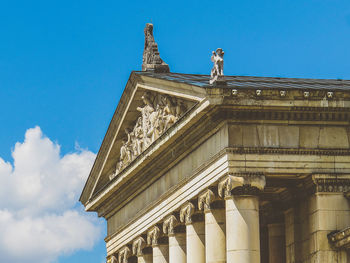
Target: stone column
pixel 138 250
pixel 160 250
pixel 123 255
pixel 177 241
pixel 215 240
pixel 328 211
pixel 242 217
pixel 292 236
pixel 195 235
pixel 276 243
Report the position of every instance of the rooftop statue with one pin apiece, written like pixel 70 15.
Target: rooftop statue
pixel 217 72
pixel 151 58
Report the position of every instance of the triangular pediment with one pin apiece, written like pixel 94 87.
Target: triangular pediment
pixel 147 109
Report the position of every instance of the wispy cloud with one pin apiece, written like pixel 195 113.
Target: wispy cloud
pixel 39 216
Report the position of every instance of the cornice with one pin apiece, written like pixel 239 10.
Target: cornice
pixel 288 151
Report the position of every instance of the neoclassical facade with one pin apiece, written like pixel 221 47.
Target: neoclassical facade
pixel 247 169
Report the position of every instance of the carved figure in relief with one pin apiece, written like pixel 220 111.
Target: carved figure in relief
pixel 138 135
pixel 157 114
pixel 218 69
pixel 145 114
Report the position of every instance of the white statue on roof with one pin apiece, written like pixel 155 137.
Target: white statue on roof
pixel 217 71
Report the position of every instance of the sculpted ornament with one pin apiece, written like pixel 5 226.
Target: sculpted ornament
pixel 205 199
pixel 169 224
pixel 124 255
pixel 137 246
pixel 112 259
pixel 151 60
pixel 231 182
pixel 186 213
pixel 158 113
pixel 217 71
pixel 153 235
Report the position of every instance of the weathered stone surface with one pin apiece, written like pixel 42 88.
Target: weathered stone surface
pixel 300 144
pixel 151 59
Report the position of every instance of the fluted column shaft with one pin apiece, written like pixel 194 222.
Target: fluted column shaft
pixel 242 229
pixel 160 253
pixel 177 248
pixel 215 238
pixel 195 241
pixel 195 234
pixel 177 240
pixel 147 258
pixel 242 217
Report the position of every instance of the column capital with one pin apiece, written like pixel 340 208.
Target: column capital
pixel 186 213
pixel 246 183
pixel 169 225
pixel 153 236
pixel 137 246
pixel 331 183
pixel 123 255
pixel 111 259
pixel 205 199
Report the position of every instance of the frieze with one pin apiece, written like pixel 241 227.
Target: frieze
pixel 293 151
pixel 157 114
pixel 332 185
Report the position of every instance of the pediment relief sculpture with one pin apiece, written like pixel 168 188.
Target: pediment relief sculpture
pixel 157 114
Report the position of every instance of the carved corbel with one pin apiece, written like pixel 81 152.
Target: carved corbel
pixel 169 225
pixel 112 259
pixel 153 235
pixel 186 213
pixel 137 246
pixel 123 255
pixel 205 199
pixel 231 182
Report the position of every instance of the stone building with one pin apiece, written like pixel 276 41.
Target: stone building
pixel 199 168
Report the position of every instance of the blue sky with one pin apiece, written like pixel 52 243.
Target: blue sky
pixel 64 64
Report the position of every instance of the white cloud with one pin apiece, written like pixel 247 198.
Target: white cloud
pixel 39 220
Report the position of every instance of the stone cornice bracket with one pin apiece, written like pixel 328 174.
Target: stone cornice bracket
pixel 205 199
pixel 112 259
pixel 123 255
pixel 153 235
pixel 230 182
pixel 186 213
pixel 137 246
pixel 169 225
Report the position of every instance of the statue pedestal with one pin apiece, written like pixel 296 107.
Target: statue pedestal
pixel 218 81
